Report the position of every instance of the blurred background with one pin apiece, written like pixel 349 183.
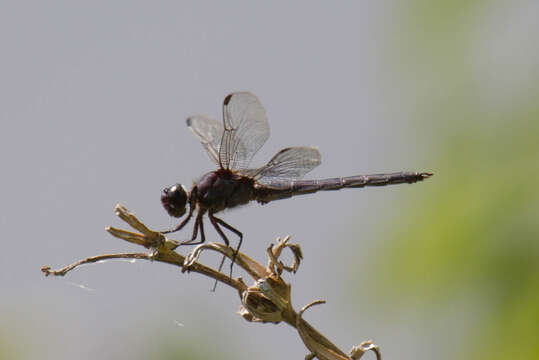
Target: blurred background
pixel 93 98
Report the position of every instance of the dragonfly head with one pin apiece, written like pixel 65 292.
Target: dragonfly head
pixel 174 200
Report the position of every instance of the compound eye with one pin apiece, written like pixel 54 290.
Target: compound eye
pixel 174 200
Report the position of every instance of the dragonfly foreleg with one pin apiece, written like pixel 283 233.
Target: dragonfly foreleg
pixel 181 225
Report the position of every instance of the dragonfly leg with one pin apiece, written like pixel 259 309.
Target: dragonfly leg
pixel 216 222
pixel 181 225
pixel 198 224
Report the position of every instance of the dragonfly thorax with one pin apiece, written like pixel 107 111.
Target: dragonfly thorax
pixel 223 189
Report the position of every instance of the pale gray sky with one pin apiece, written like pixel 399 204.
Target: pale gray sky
pixel 93 98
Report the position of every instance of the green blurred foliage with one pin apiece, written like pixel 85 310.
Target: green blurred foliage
pixel 173 349
pixel 474 229
pixel 13 344
pixel 193 346
pixel 8 351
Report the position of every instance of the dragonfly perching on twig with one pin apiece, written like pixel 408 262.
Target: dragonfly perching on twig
pixel 231 146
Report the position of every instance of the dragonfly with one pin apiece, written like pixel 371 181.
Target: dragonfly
pixel 231 145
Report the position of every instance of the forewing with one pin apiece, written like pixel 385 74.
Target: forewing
pixel 246 129
pixel 209 132
pixel 287 165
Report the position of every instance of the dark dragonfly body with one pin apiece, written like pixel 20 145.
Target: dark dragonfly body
pixel 231 145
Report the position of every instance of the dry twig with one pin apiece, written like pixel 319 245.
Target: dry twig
pixel 267 300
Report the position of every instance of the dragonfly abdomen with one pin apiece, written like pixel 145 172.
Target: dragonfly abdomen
pixel 375 180
pixel 302 187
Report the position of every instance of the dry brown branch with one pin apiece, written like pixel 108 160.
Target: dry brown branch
pixel 267 300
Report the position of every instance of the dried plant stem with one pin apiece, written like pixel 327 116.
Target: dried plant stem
pixel 61 272
pixel 267 300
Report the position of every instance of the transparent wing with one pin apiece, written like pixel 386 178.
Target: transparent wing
pixel 246 129
pixel 287 165
pixel 209 132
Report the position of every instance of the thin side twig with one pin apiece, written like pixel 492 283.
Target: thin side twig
pixel 61 272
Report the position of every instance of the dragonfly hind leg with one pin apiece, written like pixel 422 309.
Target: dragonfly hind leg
pixel 216 222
